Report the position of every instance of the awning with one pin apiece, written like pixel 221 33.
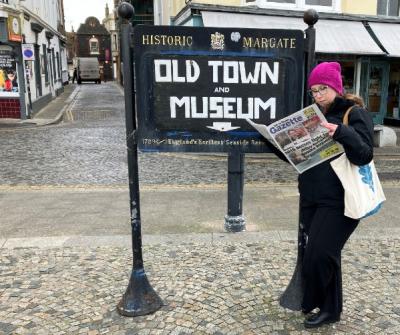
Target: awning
pixel 332 36
pixel 389 35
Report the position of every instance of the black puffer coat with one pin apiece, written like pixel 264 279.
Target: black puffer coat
pixel 320 185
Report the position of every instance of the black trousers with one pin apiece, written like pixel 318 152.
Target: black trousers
pixel 327 231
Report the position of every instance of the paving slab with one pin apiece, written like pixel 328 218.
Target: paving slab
pixel 35 242
pixel 206 288
pixel 97 211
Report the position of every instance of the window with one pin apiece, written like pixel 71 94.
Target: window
pixel 282 1
pixel 348 76
pixel 388 7
pixel 58 67
pixel 319 3
pixel 323 5
pixel 44 62
pixel 115 43
pixel 94 46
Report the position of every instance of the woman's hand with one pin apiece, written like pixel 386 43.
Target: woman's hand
pixel 330 126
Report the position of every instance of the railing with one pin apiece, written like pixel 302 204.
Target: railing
pixel 4 1
pixel 143 19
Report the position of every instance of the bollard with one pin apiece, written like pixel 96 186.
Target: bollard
pixel 234 220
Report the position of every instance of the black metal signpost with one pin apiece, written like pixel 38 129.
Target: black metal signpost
pixel 139 298
pixel 199 85
pixel 195 88
pixel 310 17
pixel 293 295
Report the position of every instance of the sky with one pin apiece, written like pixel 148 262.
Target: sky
pixel 76 11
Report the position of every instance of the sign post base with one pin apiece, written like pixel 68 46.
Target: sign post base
pixel 234 224
pixel 139 298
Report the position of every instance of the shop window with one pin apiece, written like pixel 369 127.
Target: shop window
pixel 375 88
pixel 394 91
pixel 388 7
pixel 94 46
pixel 348 76
pixel 3 30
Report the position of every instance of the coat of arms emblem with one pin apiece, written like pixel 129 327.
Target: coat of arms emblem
pixel 218 41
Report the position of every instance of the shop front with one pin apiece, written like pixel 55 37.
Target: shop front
pixel 387 72
pixel 11 71
pixel 367 77
pixel 368 51
pixel 393 104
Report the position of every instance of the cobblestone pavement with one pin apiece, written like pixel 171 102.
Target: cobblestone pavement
pixel 90 148
pixel 208 288
pixel 221 288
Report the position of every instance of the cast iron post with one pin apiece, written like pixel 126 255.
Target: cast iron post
pixel 139 298
pixel 310 17
pixel 234 220
pixel 292 297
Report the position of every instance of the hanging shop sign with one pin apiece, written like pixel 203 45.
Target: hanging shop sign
pixel 8 75
pixel 197 86
pixel 14 29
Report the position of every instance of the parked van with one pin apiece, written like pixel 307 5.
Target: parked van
pixel 88 69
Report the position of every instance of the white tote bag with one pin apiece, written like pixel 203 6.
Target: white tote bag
pixel 363 194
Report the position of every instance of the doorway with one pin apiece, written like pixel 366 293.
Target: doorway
pixel 393 91
pixel 374 88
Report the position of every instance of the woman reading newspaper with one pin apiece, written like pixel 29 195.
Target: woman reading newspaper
pixel 322 197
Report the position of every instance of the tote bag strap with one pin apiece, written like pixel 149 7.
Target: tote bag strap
pixel 346 116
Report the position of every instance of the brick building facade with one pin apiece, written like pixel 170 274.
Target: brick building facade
pixel 93 40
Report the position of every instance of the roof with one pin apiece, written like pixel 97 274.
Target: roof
pixel 332 36
pixel 197 8
pixel 92 26
pixel 388 35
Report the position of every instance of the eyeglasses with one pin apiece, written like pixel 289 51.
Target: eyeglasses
pixel 322 91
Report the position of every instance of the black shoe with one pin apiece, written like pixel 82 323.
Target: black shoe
pixel 322 318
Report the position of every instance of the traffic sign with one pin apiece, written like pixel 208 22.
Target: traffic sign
pixel 28 52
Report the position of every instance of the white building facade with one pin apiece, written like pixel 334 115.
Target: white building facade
pixel 33 63
pixel 43 26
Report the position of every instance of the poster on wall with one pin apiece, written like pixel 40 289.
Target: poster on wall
pixel 8 75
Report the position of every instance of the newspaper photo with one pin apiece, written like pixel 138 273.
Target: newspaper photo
pixel 301 138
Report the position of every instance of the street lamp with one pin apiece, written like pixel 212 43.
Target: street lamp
pixel 139 297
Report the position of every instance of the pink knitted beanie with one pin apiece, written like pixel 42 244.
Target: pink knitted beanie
pixel 327 73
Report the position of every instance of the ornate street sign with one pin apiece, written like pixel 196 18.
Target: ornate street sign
pixel 197 86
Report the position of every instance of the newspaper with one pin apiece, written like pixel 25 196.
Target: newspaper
pixel 301 138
